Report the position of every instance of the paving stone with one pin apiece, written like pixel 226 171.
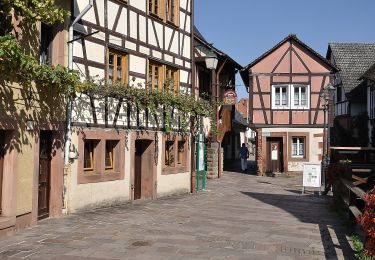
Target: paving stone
pixel 239 217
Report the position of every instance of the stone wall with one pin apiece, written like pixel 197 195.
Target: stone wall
pixel 212 161
pixel 258 154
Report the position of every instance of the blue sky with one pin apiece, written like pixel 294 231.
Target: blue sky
pixel 245 29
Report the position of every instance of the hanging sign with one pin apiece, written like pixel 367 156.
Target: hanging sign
pixel 230 97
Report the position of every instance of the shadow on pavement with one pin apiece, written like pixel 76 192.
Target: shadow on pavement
pixel 307 210
pixel 235 166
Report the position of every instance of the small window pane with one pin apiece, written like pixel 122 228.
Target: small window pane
pixel 110 146
pixel 88 156
pixel 181 150
pixel 169 153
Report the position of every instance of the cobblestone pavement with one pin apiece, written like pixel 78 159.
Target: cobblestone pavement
pixel 240 217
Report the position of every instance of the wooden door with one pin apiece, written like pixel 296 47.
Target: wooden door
pixel 44 174
pixel 275 155
pixel 143 170
pixel 147 171
pixel 137 170
pixel 2 142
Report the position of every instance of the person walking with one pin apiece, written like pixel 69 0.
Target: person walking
pixel 244 155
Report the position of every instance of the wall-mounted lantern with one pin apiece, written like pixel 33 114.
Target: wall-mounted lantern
pixel 211 60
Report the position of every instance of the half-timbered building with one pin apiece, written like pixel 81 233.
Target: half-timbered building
pixel 351 92
pixel 121 153
pixel 286 111
pixel 32 124
pixel 212 84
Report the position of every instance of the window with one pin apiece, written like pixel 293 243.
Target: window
pixel 102 156
pixel 117 67
pixel 204 84
pixel 181 152
pixel 110 146
pixel 338 94
pixel 46 37
pixel 290 96
pixel 172 11
pixel 89 155
pixel 155 76
pixel 372 104
pixel 171 82
pixel 298 146
pixel 169 153
pixel 162 77
pixel 155 7
pixel 300 96
pixel 280 94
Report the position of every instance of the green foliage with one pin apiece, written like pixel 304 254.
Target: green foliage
pixel 360 252
pixel 15 65
pixel 165 101
pixel 34 10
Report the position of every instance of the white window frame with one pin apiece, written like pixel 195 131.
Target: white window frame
pixel 274 87
pixel 299 106
pixel 298 151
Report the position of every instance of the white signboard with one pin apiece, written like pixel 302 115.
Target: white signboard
pixel 274 152
pixel 312 175
pixel 200 150
pixel 266 134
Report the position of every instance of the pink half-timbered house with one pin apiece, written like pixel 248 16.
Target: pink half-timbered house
pixel 286 112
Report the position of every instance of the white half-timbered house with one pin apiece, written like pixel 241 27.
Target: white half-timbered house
pixel 118 153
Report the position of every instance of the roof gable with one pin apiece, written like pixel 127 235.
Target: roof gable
pixel 292 37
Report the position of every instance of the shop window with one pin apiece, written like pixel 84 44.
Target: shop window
pixel 89 155
pixel 169 153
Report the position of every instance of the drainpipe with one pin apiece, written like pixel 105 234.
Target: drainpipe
pixel 219 162
pixel 192 124
pixel 70 103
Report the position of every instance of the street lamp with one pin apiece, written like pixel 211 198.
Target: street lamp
pixel 326 98
pixel 211 60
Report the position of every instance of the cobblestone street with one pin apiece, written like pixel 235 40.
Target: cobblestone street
pixel 239 217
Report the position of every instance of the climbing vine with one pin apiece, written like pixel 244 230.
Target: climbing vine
pixel 16 65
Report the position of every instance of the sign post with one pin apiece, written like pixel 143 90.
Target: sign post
pixel 201 162
pixel 311 176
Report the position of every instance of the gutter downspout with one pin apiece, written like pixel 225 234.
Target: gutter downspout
pixel 192 124
pixel 70 105
pixel 219 162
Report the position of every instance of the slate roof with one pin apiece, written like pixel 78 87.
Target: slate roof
pixel 369 74
pixel 353 60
